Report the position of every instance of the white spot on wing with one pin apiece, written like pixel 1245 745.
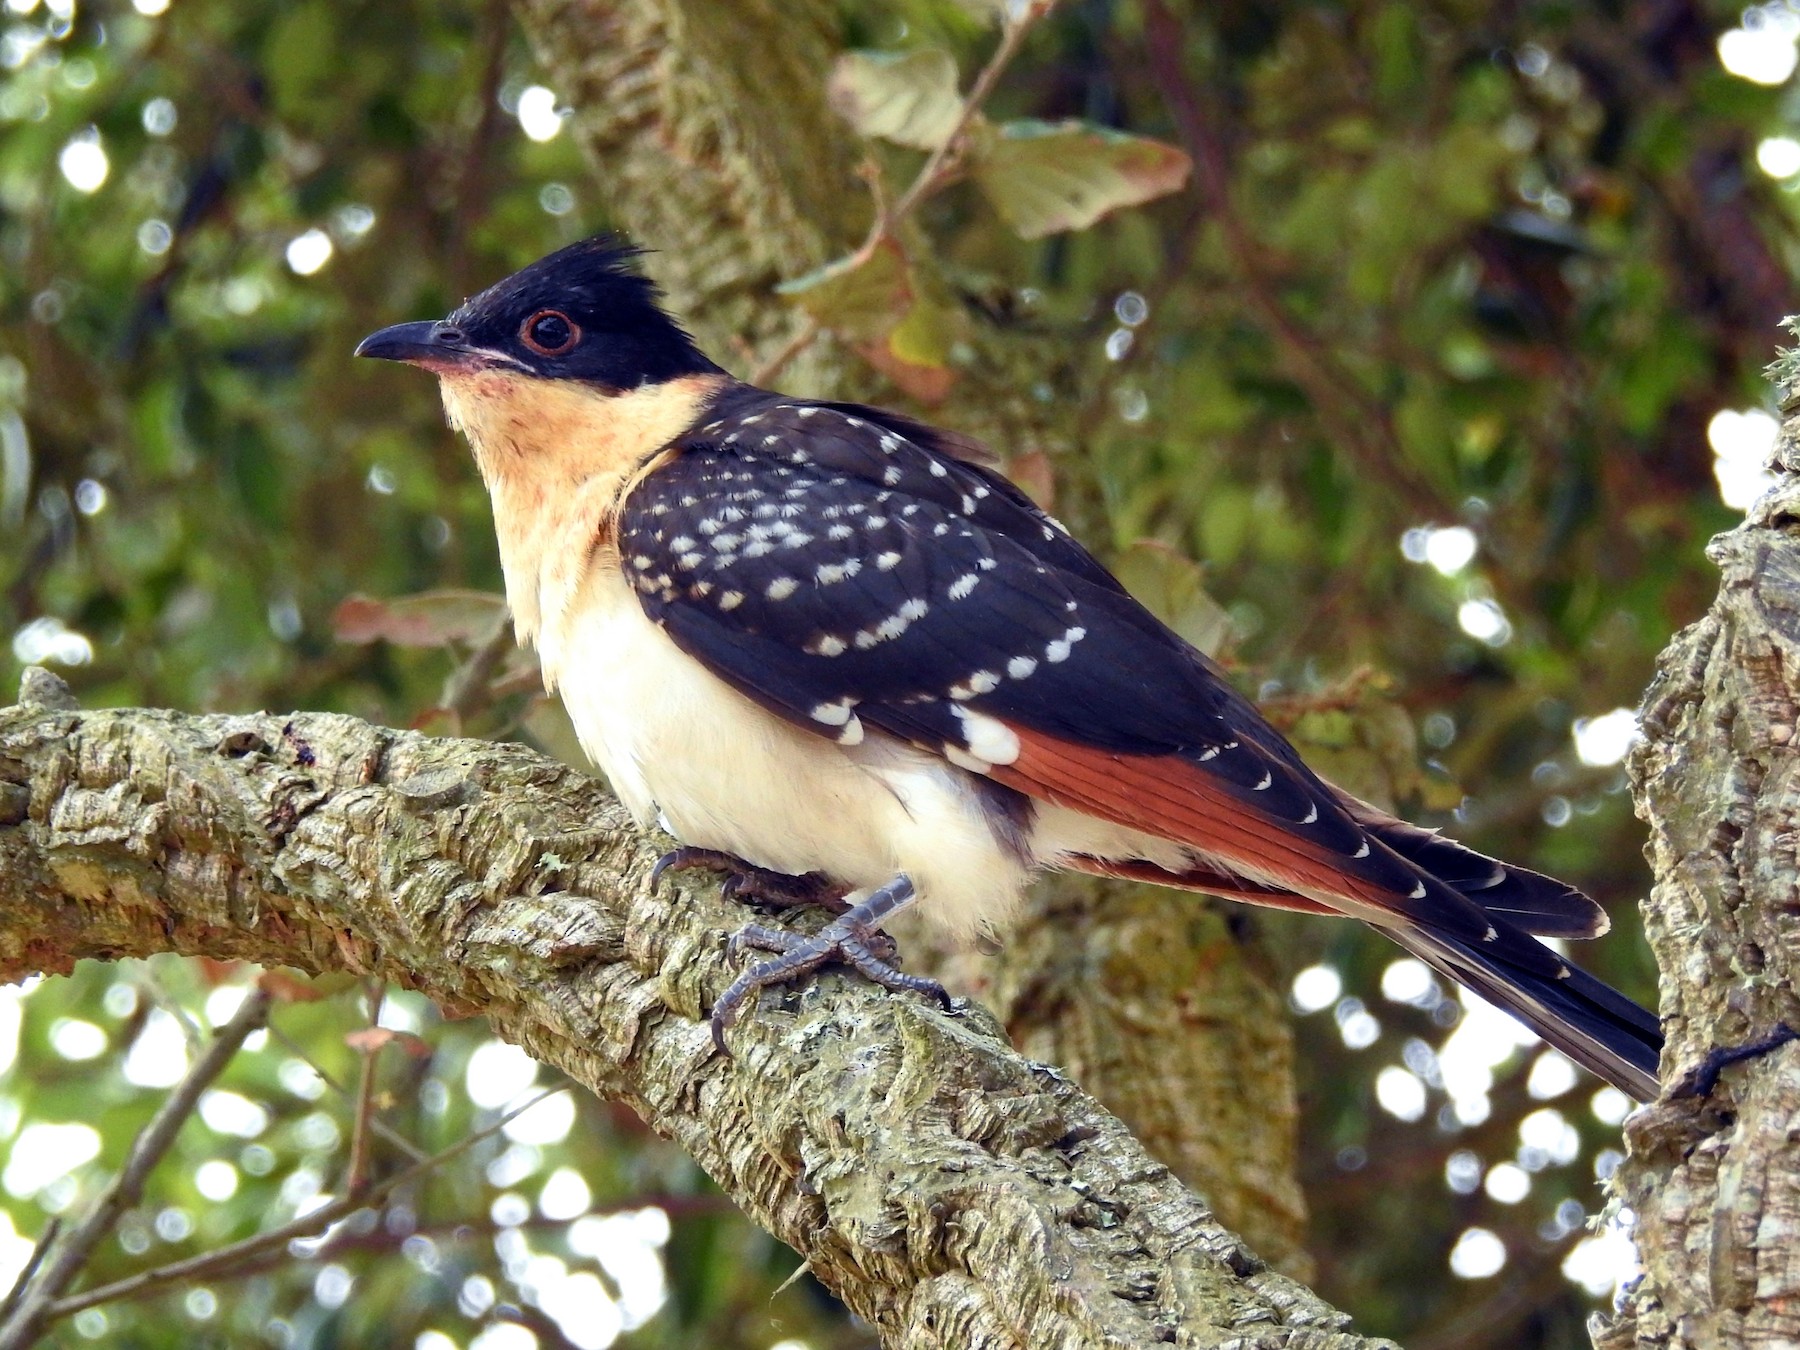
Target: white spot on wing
pixel 1020 667
pixel 988 738
pixel 780 588
pixel 1362 850
pixel 887 561
pixel 731 599
pixel 832 714
pixel 1059 649
pixel 960 588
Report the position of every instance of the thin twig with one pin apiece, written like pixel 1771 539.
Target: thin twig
pixel 386 1131
pixel 470 686
pixel 150 985
pixel 943 161
pixel 223 1259
pixel 939 169
pixel 470 174
pixel 36 1259
pixel 22 1328
pixel 1367 430
pixel 380 1239
pixel 357 1173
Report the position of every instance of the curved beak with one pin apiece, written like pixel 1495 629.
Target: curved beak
pixel 428 343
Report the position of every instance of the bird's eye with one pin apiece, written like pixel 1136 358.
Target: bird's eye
pixel 550 332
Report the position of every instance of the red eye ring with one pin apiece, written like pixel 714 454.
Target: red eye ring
pixel 557 335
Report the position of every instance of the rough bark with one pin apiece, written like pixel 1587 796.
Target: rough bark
pixel 951 1191
pixel 706 124
pixel 1714 1173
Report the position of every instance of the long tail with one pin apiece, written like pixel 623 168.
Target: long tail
pixel 1590 1022
pixel 1593 1024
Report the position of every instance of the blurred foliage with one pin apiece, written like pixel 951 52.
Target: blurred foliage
pixel 1454 263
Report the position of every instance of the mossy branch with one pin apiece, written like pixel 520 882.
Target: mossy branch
pixel 950 1191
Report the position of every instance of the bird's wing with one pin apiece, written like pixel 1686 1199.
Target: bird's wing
pixel 844 571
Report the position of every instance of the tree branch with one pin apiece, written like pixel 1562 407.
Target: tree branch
pixel 1714 1172
pixel 950 1191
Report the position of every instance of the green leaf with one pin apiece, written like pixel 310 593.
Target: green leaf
pixel 428 619
pixel 909 98
pixel 1044 177
pixel 875 302
pixel 857 297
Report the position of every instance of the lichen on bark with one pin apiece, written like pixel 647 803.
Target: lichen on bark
pixel 1714 1171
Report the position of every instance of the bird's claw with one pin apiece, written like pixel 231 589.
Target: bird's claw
pixel 747 882
pixel 846 940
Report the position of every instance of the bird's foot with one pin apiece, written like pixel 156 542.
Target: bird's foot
pixel 1702 1078
pixel 758 885
pixel 852 939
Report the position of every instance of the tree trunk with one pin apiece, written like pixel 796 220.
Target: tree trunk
pixel 708 130
pixel 951 1192
pixel 1714 1173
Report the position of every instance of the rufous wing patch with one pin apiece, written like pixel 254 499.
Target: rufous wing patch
pixel 1167 796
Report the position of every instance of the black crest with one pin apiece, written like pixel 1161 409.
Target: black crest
pixel 583 313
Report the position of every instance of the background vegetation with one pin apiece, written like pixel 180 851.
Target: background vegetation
pixel 1436 366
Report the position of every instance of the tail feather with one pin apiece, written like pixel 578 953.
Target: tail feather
pixel 1590 1022
pixel 1529 900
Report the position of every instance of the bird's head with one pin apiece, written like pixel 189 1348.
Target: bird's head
pixel 568 366
pixel 582 314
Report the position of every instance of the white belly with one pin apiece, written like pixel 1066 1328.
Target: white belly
pixel 676 741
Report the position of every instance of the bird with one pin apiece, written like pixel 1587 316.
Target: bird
pixel 839 656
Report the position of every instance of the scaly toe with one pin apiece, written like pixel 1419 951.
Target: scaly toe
pixel 685 859
pixel 845 941
pixel 757 885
